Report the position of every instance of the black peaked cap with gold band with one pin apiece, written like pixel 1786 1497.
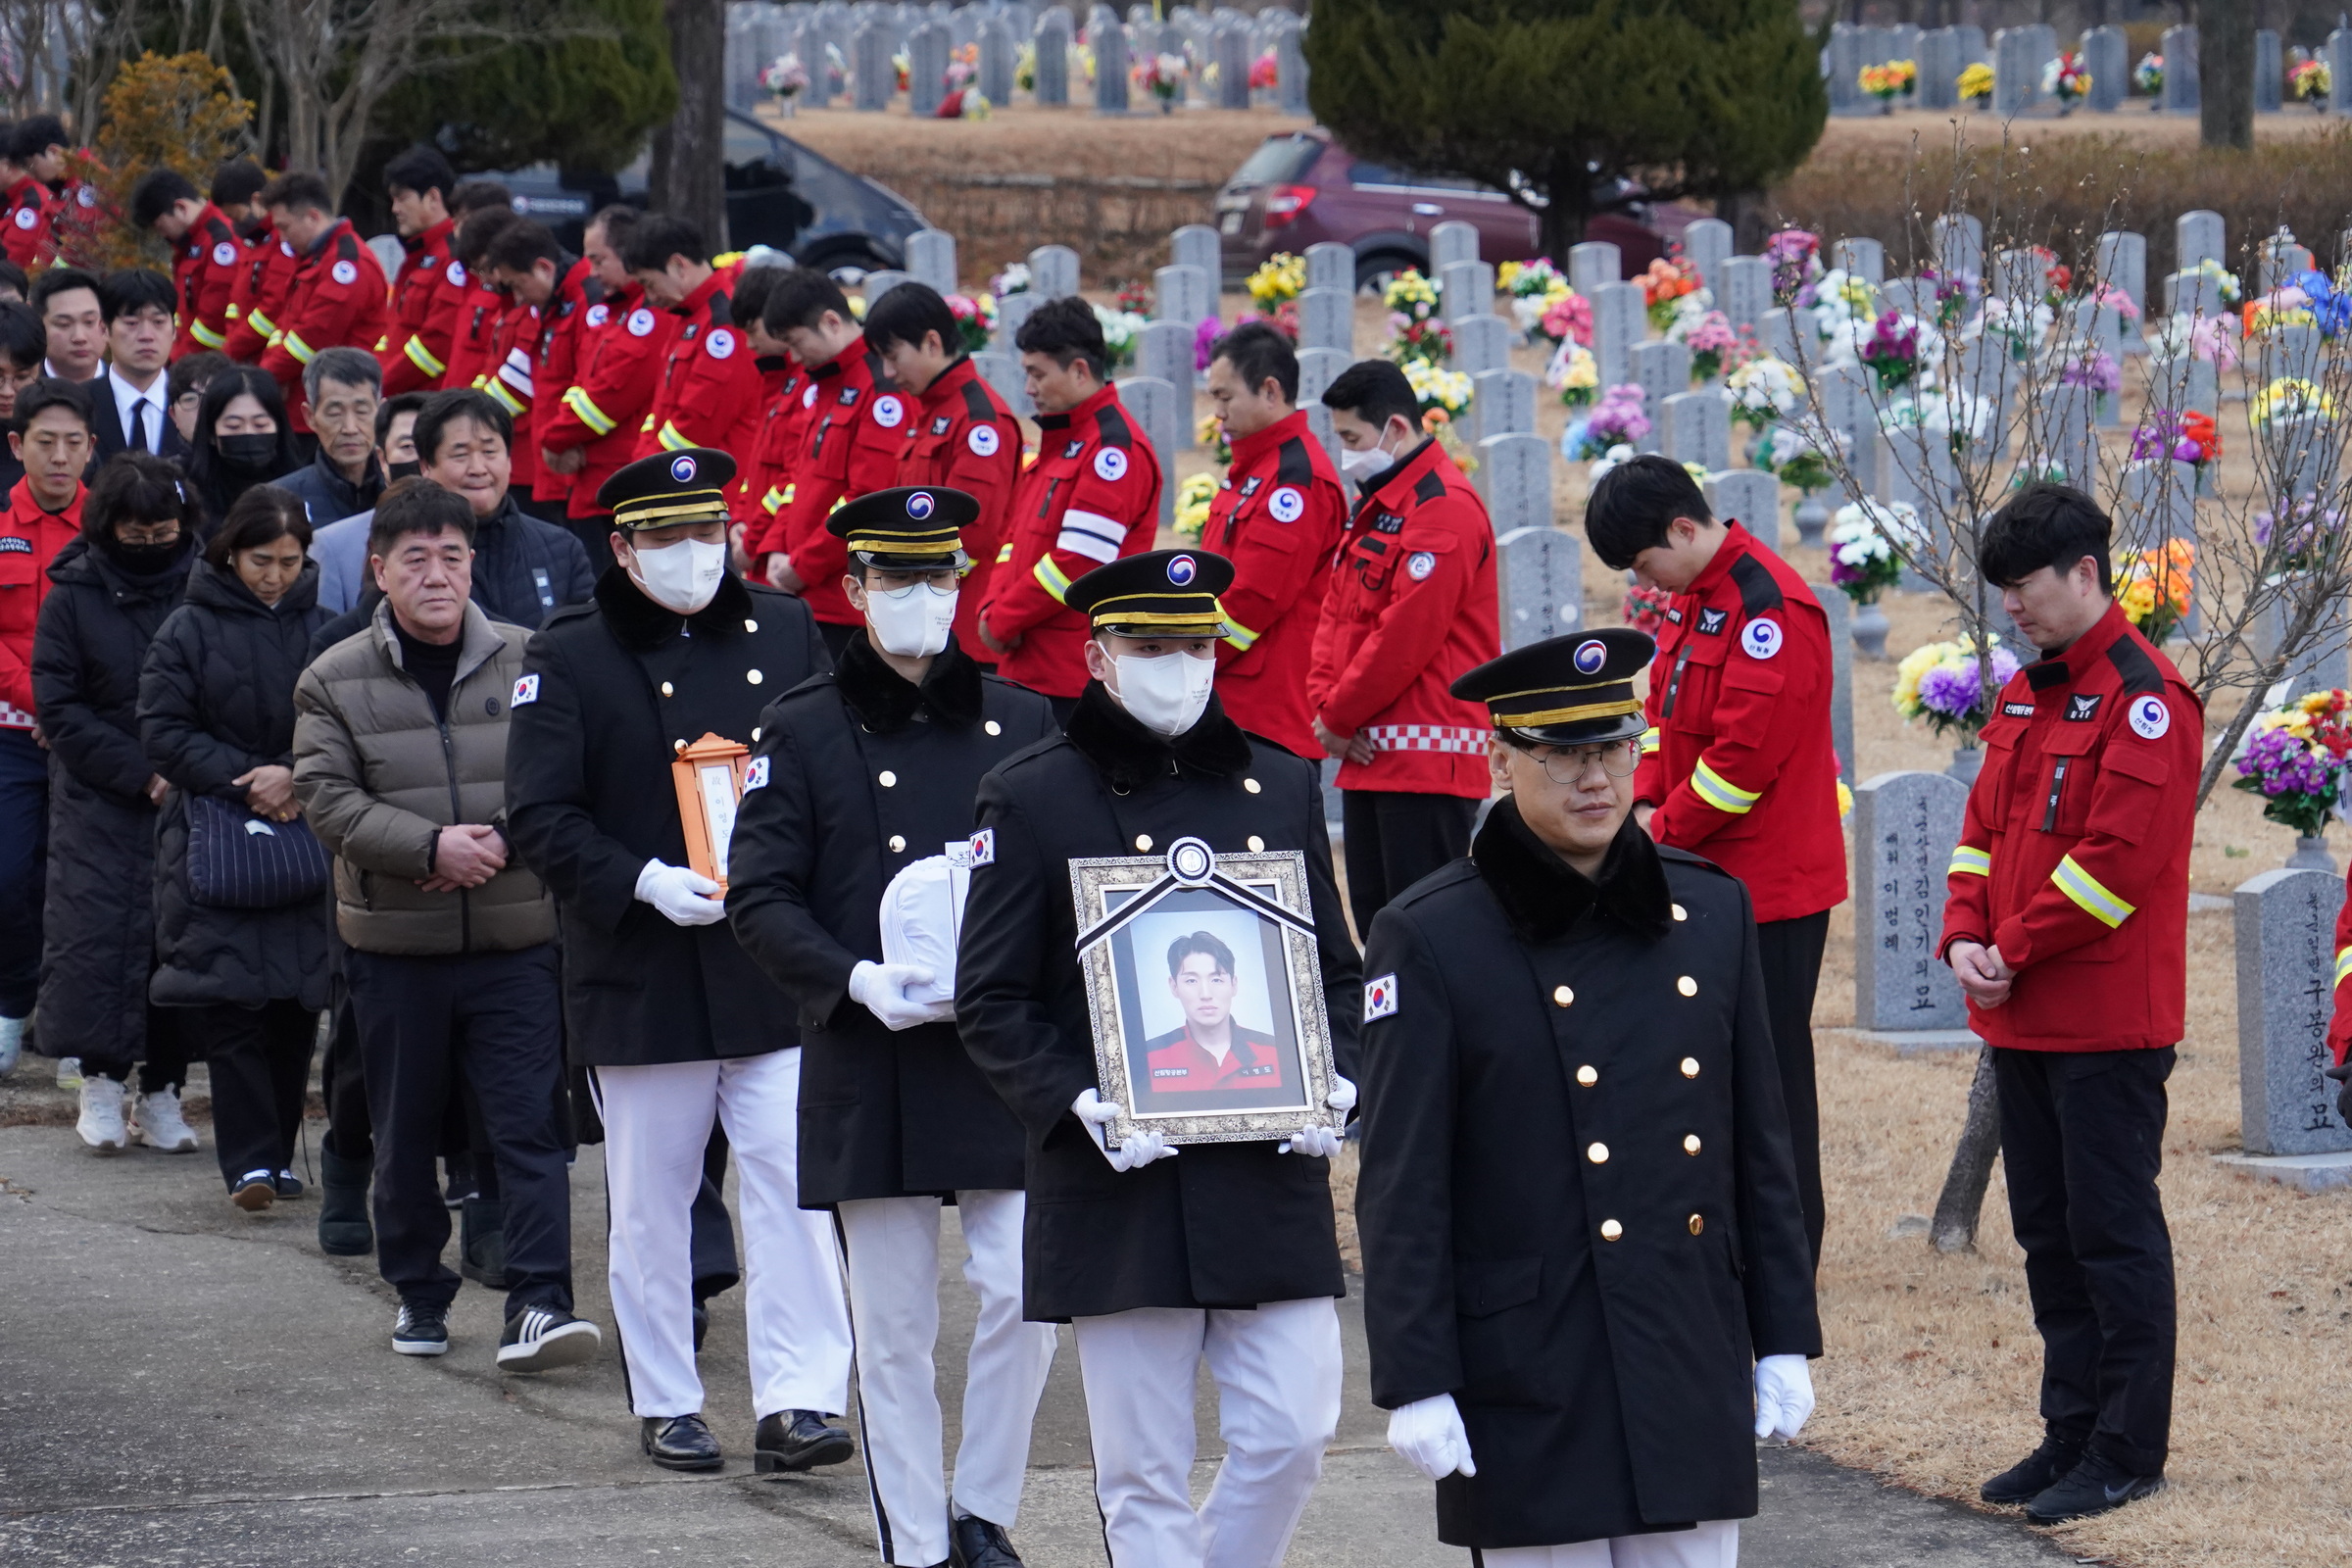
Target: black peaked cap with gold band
pixel 1565 691
pixel 669 488
pixel 1160 593
pixel 913 528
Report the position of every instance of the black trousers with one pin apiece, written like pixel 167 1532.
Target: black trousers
pixel 1394 840
pixel 261 1068
pixel 166 1059
pixel 492 1018
pixel 24 873
pixel 2082 1143
pixel 711 1247
pixel 1790 952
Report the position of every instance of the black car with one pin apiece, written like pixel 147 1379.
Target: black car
pixel 779 194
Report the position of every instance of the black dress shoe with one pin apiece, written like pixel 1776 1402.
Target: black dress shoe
pixel 2035 1473
pixel 974 1543
pixel 798 1439
pixel 2095 1486
pixel 680 1442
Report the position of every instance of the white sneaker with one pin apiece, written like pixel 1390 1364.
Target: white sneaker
pixel 12 1044
pixel 101 1121
pixel 161 1125
pixel 69 1072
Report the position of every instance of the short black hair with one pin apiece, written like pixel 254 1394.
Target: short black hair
pixel 1259 354
pixel 749 296
pixel 905 313
pixel 657 237
pixel 194 372
pixel 1064 329
pixel 392 408
pixel 299 191
pixel 157 191
pixel 445 409
pixel 24 340
pixel 127 290
pixel 2051 525
pixel 12 276
pixel 1202 942
pixel 478 195
pixel 418 505
pixel 58 280
pixel 419 170
pixel 237 181
pixel 619 221
pixel 477 229
pixel 522 244
pixel 262 516
pixel 52 392
pixel 1630 509
pixel 1374 391
pixel 35 135
pixel 799 299
pixel 140 487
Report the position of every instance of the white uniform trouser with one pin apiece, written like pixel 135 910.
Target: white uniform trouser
pixel 891 1245
pixel 657 1122
pixel 1715 1544
pixel 1277 1369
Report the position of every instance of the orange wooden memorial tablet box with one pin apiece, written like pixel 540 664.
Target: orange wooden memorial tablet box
pixel 709 775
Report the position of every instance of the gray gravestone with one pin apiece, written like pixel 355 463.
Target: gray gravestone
pixel 880 282
pixel 1002 372
pixel 1152 402
pixel 2289 351
pixel 1514 475
pixel 1778 336
pixel 2319 665
pixel 1317 369
pixel 1052 271
pixel 2280 258
pixel 1197 245
pixel 1843 393
pixel 1902 296
pixel 1465 289
pixel 2193 294
pixel 1960 243
pixel 1707 245
pixel 1661 369
pixel 1938 68
pixel 2339 71
pixel 1182 294
pixel 1620 320
pixel 1450 242
pixel 2106 55
pixel 2302 454
pixel 1230 48
pixel 1747 292
pixel 1503 403
pixel 2270 73
pixel 1011 310
pixel 1863 258
pixel 1750 496
pixel 1318 420
pixel 2160 503
pixel 2120 259
pixel 1331 265
pixel 1840 612
pixel 2180 79
pixel 2018 275
pixel 931 259
pixel 1290 71
pixel 999 59
pixel 2017 61
pixel 1541 577
pixel 1053 89
pixel 1327 320
pixel 927 53
pixel 1905 828
pixel 2199 235
pixel 1163 352
pixel 1593 263
pixel 1482 343
pixel 2064 435
pixel 1843 63
pixel 2182 382
pixel 1698 428
pixel 2285 995
pixel 872 77
pixel 1110 67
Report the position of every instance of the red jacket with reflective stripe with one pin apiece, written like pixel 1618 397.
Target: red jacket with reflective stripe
pixel 1091 497
pixel 478 314
pixel 710 392
pixel 1278 518
pixel 1410 610
pixel 767 481
pixel 29 540
pixel 259 303
pixel 428 302
pixel 849 443
pixel 206 265
pixel 1739 764
pixel 336 301
pixel 964 438
pixel 624 342
pixel 2072 858
pixel 511 379
pixel 31 235
pixel 563 327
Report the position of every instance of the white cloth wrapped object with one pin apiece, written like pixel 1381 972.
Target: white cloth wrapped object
pixel 922 917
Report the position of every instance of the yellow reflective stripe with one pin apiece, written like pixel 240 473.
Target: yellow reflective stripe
pixel 1650 740
pixel 503 398
pixel 1051 578
pixel 2084 888
pixel 1003 552
pixel 206 335
pixel 1721 793
pixel 299 348
pixel 594 418
pixel 2343 964
pixel 672 440
pixel 772 501
pixel 1239 635
pixel 1971 862
pixel 262 323
pixel 233 312
pixel 423 357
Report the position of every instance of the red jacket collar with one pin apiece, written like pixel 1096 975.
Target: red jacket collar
pixel 26 513
pixel 1737 542
pixel 339 226
pixel 435 237
pixel 698 302
pixel 950 383
pixel 1397 485
pixel 1250 450
pixel 1092 406
pixel 2083 653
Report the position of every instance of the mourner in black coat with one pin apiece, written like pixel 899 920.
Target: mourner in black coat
pixel 1578 1201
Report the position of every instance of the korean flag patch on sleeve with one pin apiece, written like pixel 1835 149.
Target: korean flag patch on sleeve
pixel 984 847
pixel 754 777
pixel 1380 998
pixel 526 690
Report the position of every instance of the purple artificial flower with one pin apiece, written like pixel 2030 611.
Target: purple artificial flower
pixel 1618 416
pixel 2099 372
pixel 1204 338
pixel 1891 338
pixel 1950 689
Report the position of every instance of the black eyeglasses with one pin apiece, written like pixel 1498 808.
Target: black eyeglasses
pixel 1565 764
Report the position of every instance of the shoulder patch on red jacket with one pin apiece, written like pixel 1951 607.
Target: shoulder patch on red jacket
pixel 2137 670
pixel 1429 487
pixel 1759 592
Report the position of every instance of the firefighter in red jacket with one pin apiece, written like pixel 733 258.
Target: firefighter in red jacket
pixel 1738 763
pixel 428 296
pixel 1278 518
pixel 1091 497
pixel 589 432
pixel 710 389
pixel 2067 925
pixel 851 430
pixel 337 296
pixel 558 288
pixel 959 434
pixel 765 485
pixel 1410 610
pixel 206 254
pixel 482 306
pixel 260 296
pixel 37 201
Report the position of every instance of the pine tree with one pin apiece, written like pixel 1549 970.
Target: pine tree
pixel 1553 100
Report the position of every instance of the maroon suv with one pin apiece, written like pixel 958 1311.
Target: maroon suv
pixel 1301 188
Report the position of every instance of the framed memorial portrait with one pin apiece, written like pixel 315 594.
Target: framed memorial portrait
pixel 709 775
pixel 1204 989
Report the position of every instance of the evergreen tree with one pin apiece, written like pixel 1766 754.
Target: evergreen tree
pixel 1553 100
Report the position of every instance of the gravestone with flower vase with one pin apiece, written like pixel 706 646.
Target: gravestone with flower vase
pixel 1593 264
pixel 1959 240
pixel 1449 242
pixel 1052 271
pixel 1862 257
pixel 1707 245
pixel 2088 333
pixel 2280 258
pixel 1620 320
pixel 2181 91
pixel 2198 235
pixel 1905 827
pixel 1747 291
pixel 2160 506
pixel 1777 335
pixel 2121 259
pixel 2182 382
pixel 1327 320
pixel 2283 529
pixel 1661 369
pixel 927 54
pixel 2285 931
pixel 2062 435
pixel 2291 352
pixel 1467 290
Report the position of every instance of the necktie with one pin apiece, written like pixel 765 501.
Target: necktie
pixel 138 426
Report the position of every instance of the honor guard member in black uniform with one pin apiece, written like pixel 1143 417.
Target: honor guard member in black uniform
pixel 859 774
pixel 1162 1258
pixel 1586 1279
pixel 662 1003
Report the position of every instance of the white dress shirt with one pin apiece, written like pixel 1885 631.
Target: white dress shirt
pixel 140 413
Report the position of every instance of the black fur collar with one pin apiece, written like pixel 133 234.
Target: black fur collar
pixel 885 700
pixel 1546 896
pixel 1129 754
pixel 642 625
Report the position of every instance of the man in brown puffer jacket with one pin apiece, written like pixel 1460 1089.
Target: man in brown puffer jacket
pixel 400 750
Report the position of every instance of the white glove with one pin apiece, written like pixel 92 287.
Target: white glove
pixel 881 989
pixel 682 896
pixel 1784 1397
pixel 1427 1435
pixel 1322 1142
pixel 1140 1148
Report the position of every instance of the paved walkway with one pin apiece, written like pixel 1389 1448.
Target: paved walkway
pixel 184 1384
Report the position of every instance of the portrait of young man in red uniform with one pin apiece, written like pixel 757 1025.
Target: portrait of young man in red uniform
pixel 1209 1050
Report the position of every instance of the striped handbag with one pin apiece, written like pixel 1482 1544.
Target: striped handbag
pixel 237 861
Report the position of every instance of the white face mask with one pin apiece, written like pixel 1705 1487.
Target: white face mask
pixel 913 622
pixel 1167 694
pixel 1365 463
pixel 680 577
